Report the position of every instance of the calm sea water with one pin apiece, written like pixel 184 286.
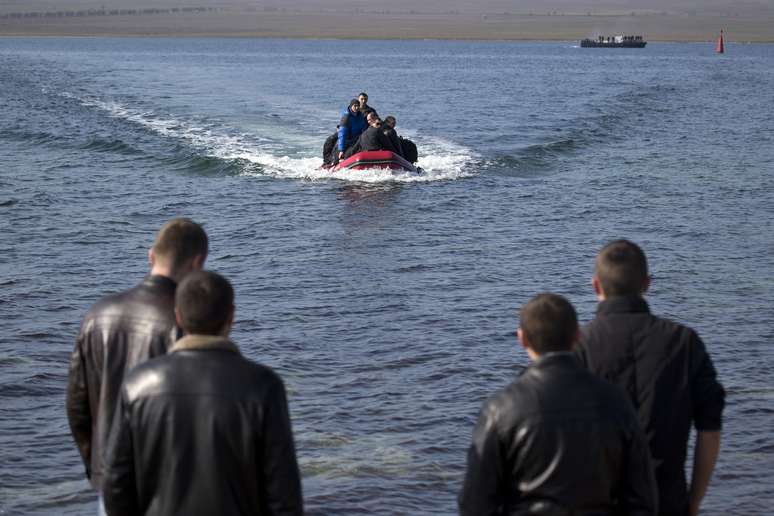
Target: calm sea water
pixel 385 301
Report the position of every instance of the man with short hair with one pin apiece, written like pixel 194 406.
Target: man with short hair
pixel 664 369
pixel 388 128
pixel 202 430
pixel 557 440
pixel 364 107
pixel 123 330
pixel 372 139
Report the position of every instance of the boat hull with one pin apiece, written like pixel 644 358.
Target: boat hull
pixel 374 159
pixel 590 43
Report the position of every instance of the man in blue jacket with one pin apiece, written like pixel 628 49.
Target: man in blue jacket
pixel 352 124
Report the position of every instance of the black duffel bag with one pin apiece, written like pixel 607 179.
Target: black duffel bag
pixel 409 148
pixel 328 146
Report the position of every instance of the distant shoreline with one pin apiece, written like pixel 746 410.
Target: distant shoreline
pixel 344 38
pixel 369 26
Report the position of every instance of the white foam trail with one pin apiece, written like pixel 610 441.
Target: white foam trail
pixel 441 160
pixel 200 137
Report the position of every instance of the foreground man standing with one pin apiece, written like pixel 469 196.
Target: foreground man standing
pixel 664 369
pixel 558 440
pixel 123 330
pixel 202 430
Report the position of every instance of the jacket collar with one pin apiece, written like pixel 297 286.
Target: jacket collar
pixel 156 280
pixel 207 342
pixel 556 358
pixel 623 305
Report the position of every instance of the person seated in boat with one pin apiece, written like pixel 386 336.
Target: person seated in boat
pixel 351 126
pixel 364 107
pixel 372 139
pixel 388 128
pixel 406 149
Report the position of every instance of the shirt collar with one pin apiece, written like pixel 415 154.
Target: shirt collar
pixel 561 358
pixel 623 304
pixel 160 281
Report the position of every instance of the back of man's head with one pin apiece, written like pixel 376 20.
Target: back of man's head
pixel 204 302
pixel 180 241
pixel 549 323
pixel 622 269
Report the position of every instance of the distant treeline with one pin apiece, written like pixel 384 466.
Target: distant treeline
pixel 107 12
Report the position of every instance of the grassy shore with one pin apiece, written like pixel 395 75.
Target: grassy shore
pixel 234 22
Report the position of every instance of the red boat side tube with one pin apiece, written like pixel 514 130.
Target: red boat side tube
pixel 374 159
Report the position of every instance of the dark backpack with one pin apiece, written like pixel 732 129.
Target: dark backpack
pixel 409 150
pixel 328 146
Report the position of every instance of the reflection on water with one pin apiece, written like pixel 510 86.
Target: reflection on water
pixel 369 195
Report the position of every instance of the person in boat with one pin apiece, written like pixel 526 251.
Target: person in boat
pixel 388 128
pixel 364 107
pixel 405 148
pixel 351 126
pixel 372 139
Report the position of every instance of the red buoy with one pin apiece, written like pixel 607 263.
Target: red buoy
pixel 719 48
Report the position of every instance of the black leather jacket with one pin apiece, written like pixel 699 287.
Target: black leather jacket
pixel 202 431
pixel 119 332
pixel 558 441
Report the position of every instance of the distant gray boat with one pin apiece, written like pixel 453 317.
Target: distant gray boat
pixel 619 41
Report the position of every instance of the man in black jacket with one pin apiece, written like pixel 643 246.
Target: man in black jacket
pixel 388 128
pixel 364 107
pixel 664 369
pixel 557 441
pixel 122 330
pixel 202 430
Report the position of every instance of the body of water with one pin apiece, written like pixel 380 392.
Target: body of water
pixel 386 302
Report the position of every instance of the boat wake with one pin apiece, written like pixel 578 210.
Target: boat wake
pixel 289 156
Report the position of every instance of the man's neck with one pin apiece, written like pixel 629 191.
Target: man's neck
pixel 166 272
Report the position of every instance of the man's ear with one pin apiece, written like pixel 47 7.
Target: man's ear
pixel 226 328
pixel 197 263
pixel 151 257
pixel 178 318
pixel 522 338
pixel 595 283
pixel 231 317
pixel 577 338
pixel 646 286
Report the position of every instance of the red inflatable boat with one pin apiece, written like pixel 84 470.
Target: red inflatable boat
pixel 374 159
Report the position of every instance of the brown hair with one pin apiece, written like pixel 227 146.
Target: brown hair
pixel 179 241
pixel 204 300
pixel 549 323
pixel 622 269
